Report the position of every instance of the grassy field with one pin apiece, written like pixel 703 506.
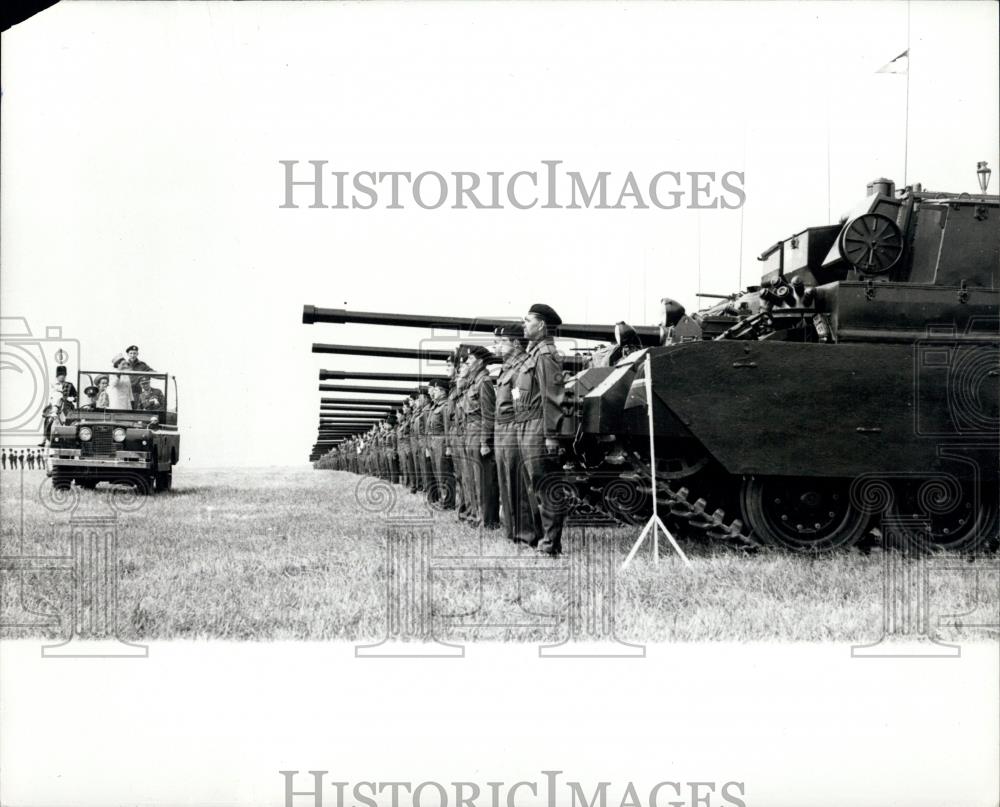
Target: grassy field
pixel 280 553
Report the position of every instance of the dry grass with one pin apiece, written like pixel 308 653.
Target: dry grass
pixel 291 554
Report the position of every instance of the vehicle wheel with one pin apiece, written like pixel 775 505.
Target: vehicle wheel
pixel 960 520
pixel 802 514
pixel 164 481
pixel 62 482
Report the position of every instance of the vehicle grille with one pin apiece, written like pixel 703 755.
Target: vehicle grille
pixel 102 444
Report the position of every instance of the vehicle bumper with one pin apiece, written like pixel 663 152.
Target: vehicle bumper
pixel 71 459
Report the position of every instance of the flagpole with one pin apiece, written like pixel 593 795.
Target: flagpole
pixel 906 125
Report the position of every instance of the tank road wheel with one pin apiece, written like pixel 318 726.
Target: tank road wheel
pixel 802 514
pixel 959 520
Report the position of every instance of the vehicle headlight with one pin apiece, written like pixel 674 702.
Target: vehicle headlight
pixel 118 435
pixel 85 434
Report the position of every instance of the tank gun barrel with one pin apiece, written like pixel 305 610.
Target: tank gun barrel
pixel 365 402
pixel 345 375
pixel 340 316
pixel 383 352
pixel 368 390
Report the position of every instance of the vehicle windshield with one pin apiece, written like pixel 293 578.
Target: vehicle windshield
pixel 123 391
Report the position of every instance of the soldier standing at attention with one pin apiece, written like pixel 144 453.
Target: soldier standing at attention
pixel 428 468
pixel 3 459
pixel 480 410
pixel 405 450
pixel 20 459
pixel 452 430
pixel 436 414
pixel 392 440
pixel 31 460
pixel 515 512
pixel 418 463
pixel 537 392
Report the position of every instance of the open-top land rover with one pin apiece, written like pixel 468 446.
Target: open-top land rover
pixel 123 431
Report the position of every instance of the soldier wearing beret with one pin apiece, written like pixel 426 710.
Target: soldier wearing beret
pixel 479 404
pixel 538 392
pixel 428 469
pixel 441 464
pixel 405 448
pixel 454 431
pixel 515 513
pixel 416 443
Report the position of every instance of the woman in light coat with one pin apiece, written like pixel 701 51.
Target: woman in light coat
pixel 119 385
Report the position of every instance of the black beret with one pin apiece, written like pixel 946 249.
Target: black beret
pixel 478 351
pixel 512 330
pixel 413 396
pixel 547 313
pixel 131 347
pixel 626 336
pixel 423 391
pixel 60 370
pixel 439 382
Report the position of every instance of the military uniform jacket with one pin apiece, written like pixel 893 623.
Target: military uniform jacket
pixel 403 429
pixel 479 406
pixel 505 382
pixel 538 387
pixel 436 416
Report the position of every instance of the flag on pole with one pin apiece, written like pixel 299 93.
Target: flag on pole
pixel 898 65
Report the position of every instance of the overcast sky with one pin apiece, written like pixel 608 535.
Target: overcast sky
pixel 141 185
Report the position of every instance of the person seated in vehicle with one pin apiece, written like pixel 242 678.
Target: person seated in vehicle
pixel 90 393
pixel 149 398
pixel 102 401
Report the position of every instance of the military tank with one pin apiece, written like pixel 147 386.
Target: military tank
pixel 857 381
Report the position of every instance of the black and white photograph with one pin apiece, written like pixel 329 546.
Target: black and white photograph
pixel 499 404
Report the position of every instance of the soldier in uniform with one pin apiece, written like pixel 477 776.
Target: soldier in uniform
pixel 428 469
pixel 31 460
pixel 406 448
pixel 416 440
pixel 537 392
pixel 149 398
pixel 455 447
pixel 3 459
pixel 479 403
pixel 20 459
pixel 134 365
pixel 436 443
pixel 90 393
pixel 392 448
pixel 515 512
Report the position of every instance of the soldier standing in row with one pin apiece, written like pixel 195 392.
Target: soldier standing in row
pixel 3 459
pixel 453 432
pixel 31 460
pixel 479 403
pixel 416 443
pixel 537 392
pixel 436 442
pixel 425 454
pixel 405 449
pixel 20 459
pixel 392 441
pixel 515 511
